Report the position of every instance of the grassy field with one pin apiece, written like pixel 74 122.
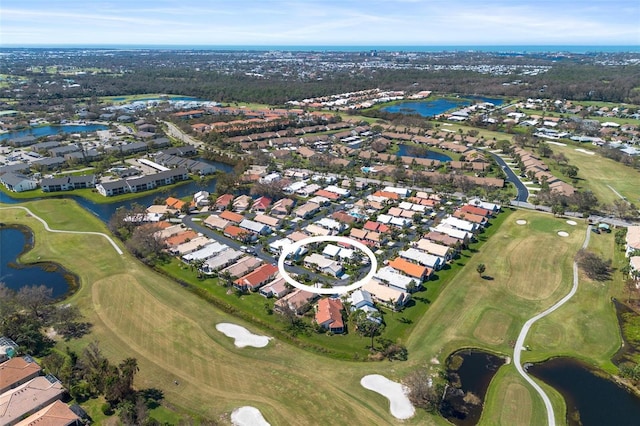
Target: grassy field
pixel 598 173
pixel 137 312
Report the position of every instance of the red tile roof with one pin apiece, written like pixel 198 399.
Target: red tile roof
pixel 409 268
pixel 224 200
pixel 174 203
pixel 231 216
pixel 260 276
pixel 329 311
pixel 327 194
pixel 475 210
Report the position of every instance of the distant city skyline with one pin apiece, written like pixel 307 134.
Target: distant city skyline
pixel 316 22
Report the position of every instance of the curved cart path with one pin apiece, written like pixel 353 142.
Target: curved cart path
pixel 46 226
pixel 519 347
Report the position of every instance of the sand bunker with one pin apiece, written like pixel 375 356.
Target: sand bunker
pixel 521 222
pixel 242 336
pixel 248 416
pixel 563 234
pixel 400 406
pixel 572 222
pixel 584 151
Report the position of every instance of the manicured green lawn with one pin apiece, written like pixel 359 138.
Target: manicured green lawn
pixel 598 173
pixel 171 331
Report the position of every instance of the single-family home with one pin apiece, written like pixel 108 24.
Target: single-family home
pixel 316 231
pixel 282 207
pixel 17 371
pixel 261 204
pixel 243 266
pixel 55 414
pixel 331 224
pixel 231 216
pixel 215 222
pixel 411 269
pixel 329 315
pixel 459 234
pixel 18 403
pixel 395 279
pixel 322 264
pixel 461 224
pixel 343 217
pixel 632 240
pixel 468 208
pixel 221 260
pixel 237 233
pixel 298 301
pixel 307 210
pixel 444 239
pixel 435 249
pixel 492 207
pixel 256 279
pixel 426 259
pixel 270 221
pixel 255 227
pixel 211 249
pixel 223 201
pixel 277 288
pixel 470 217
pixel 242 203
pixel 385 294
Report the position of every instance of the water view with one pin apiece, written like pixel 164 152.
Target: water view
pixel 13 241
pixel 105 210
pixel 590 399
pixel 437 106
pixel 43 131
pixel 421 152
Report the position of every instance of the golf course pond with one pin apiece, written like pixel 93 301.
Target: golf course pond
pixel 591 398
pixel 16 240
pixel 469 372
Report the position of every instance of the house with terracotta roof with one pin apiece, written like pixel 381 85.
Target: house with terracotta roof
pixel 329 315
pixel 470 217
pixel 261 204
pixel 17 371
pixel 326 194
pixel 237 233
pixel 411 269
pixel 256 279
pixel 223 201
pixel 28 398
pixel 174 203
pixel 231 216
pixel 55 414
pixel 180 238
pixel 632 240
pixel 343 217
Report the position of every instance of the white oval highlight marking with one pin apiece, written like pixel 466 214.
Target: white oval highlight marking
pixel 399 405
pixel 329 238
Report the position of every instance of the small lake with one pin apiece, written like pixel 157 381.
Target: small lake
pixel 590 399
pixel 421 152
pixel 43 131
pixel 437 106
pixel 469 373
pixel 13 242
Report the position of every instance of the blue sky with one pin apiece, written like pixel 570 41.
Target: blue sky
pixel 320 22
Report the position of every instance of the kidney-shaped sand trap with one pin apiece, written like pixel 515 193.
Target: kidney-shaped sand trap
pixel 521 222
pixel 563 234
pixel 400 406
pixel 248 416
pixel 572 222
pixel 242 336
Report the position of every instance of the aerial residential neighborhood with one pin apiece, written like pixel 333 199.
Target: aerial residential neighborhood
pixel 272 213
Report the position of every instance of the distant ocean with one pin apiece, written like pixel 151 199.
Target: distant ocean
pixel 328 48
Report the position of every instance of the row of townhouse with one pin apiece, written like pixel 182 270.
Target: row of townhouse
pixel 143 183
pixel 29 398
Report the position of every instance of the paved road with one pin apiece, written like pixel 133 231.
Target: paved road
pixel 519 347
pixel 46 226
pixel 523 192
